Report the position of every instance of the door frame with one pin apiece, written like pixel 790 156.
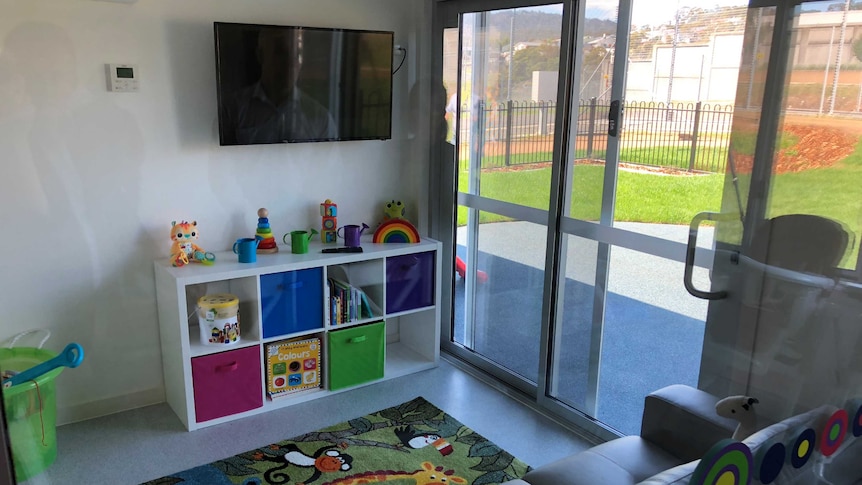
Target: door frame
pixel 565 225
pixel 444 180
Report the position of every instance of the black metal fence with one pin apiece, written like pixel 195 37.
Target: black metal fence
pixel 691 136
pixel 515 132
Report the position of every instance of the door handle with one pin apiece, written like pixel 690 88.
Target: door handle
pixel 689 253
pixel 614 118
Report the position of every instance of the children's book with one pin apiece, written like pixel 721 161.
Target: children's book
pixel 366 306
pixel 292 366
pixel 348 303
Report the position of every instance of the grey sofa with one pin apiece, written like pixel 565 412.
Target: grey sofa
pixel 843 467
pixel 678 426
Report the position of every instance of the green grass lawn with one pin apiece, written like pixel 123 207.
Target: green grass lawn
pixel 829 192
pixel 642 197
pixel 707 159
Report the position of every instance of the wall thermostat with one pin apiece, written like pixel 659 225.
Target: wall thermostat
pixel 122 77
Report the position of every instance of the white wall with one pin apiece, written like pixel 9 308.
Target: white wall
pixel 91 180
pixel 704 72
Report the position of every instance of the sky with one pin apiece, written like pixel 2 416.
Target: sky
pixel 645 12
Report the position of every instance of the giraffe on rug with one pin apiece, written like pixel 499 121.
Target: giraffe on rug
pixel 428 475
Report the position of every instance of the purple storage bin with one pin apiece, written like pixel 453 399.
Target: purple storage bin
pixel 409 282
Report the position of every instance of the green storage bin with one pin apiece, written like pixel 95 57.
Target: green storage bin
pixel 356 355
pixel 31 412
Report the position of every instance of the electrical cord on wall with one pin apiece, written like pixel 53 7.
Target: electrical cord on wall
pixel 403 58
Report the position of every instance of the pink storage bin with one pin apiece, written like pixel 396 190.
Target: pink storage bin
pixel 227 383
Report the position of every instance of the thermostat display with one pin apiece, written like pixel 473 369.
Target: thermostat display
pixel 122 77
pixel 125 73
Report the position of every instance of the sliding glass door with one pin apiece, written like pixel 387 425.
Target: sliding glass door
pixel 786 325
pixel 566 258
pixel 502 122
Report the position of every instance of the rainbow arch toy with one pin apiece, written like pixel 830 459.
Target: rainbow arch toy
pixel 396 231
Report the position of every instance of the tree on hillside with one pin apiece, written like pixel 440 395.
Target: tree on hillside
pixel 545 57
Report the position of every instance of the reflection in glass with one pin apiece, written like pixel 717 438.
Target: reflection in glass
pixel 653 334
pixel 650 337
pixel 506 105
pixel 502 318
pixel 282 84
pixel 789 333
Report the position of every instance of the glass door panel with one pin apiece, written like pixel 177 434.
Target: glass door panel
pixel 509 67
pixel 675 131
pixel 613 323
pixel 797 274
pixel 624 321
pixel 503 102
pixel 653 335
pixel 788 329
pixel 569 276
pixel 502 318
pixel 588 138
pixel 575 363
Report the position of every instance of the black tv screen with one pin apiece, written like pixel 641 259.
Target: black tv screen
pixel 283 84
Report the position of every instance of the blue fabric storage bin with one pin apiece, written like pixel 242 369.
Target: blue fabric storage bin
pixel 291 302
pixel 410 282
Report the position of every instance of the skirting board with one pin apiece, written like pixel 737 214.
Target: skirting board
pixel 111 405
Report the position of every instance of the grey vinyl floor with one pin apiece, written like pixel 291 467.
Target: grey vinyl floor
pixel 147 443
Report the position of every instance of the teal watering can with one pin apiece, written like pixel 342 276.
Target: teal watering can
pixel 71 357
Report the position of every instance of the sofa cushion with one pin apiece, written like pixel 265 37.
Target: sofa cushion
pixel 678 475
pixel 670 411
pixel 623 461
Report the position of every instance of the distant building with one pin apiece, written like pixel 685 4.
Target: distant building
pixel 605 41
pixel 706 71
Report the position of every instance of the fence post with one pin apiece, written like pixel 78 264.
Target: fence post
pixel 591 127
pixel 508 158
pixel 477 135
pixel 543 118
pixel 694 132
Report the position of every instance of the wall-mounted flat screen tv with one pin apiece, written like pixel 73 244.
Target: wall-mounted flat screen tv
pixel 282 84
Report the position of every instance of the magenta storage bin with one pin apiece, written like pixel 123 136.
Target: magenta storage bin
pixel 409 282
pixel 227 383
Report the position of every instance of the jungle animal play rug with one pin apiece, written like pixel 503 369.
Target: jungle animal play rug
pixel 413 443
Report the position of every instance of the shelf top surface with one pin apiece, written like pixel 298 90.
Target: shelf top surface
pixel 226 265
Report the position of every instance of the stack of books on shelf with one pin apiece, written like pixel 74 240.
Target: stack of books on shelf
pixel 348 303
pixel 292 366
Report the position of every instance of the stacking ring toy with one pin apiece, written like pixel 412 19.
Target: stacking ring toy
pixel 833 432
pixel 728 462
pixel 803 447
pixel 857 422
pixel 770 461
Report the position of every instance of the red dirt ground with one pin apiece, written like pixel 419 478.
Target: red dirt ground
pixel 817 147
